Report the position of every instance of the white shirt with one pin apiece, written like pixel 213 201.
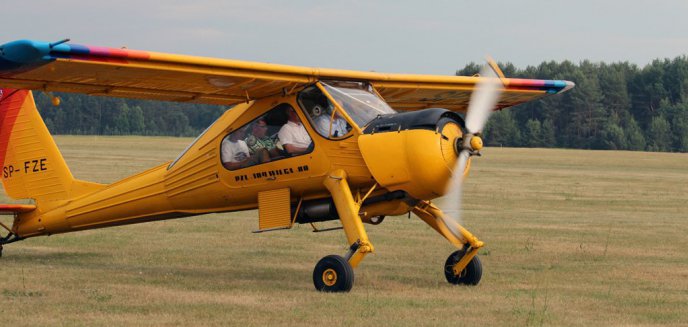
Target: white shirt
pixel 322 123
pixel 294 134
pixel 234 151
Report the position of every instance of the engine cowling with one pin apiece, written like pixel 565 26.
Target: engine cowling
pixel 414 151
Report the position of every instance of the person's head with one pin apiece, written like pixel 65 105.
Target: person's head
pixel 237 135
pixel 292 116
pixel 260 128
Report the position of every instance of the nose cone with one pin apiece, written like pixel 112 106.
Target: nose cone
pixel 476 143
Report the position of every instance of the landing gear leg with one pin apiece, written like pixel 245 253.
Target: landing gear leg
pixel 329 271
pixel 462 266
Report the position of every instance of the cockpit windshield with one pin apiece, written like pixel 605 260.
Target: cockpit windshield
pixel 358 100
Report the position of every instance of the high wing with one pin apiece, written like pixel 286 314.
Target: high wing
pixel 127 73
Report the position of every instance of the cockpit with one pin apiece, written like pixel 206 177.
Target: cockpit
pixel 334 109
pixel 359 100
pixel 334 106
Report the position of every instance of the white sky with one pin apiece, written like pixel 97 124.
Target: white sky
pixel 434 37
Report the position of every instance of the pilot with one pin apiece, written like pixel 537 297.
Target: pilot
pixel 235 153
pixel 339 125
pixel 259 141
pixel 293 136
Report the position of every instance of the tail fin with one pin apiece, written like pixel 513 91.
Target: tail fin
pixel 32 165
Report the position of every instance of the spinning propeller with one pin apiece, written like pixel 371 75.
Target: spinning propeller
pixel 483 101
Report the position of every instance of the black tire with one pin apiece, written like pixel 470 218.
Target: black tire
pixel 333 274
pixel 470 275
pixel 377 220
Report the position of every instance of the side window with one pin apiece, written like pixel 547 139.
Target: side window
pixel 323 115
pixel 275 135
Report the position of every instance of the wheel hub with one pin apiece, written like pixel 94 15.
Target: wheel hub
pixel 329 277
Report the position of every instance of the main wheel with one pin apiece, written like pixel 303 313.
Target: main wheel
pixel 469 276
pixel 333 274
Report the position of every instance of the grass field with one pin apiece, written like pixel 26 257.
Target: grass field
pixel 573 238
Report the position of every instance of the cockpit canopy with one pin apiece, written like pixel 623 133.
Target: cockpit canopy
pixel 358 99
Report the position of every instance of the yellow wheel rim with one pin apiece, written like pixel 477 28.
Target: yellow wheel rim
pixel 329 277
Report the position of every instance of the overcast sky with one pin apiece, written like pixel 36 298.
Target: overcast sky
pixel 434 37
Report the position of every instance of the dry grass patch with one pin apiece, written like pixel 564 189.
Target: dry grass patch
pixel 573 237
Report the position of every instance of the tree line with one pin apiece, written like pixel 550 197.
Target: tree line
pixel 618 106
pixel 88 115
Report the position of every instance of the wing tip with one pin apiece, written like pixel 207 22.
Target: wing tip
pixel 20 55
pixel 24 51
pixel 569 85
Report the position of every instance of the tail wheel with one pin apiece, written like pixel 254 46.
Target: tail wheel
pixel 333 274
pixel 470 275
pixel 377 220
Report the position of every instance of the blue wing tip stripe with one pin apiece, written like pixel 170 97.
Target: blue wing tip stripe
pixel 23 55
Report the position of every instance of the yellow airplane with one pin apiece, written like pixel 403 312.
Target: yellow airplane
pixel 301 145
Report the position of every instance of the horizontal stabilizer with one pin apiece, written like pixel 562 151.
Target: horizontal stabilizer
pixel 10 209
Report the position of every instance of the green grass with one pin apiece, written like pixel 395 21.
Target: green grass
pixel 573 237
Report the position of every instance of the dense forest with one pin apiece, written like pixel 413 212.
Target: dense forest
pixel 87 115
pixel 616 106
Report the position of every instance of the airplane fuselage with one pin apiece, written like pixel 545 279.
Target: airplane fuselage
pixel 413 161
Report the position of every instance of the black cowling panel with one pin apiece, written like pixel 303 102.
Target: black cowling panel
pixel 421 119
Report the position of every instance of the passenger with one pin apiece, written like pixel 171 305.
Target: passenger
pixel 339 126
pixel 293 135
pixel 235 153
pixel 259 141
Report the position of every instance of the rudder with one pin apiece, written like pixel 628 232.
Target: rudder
pixel 32 165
